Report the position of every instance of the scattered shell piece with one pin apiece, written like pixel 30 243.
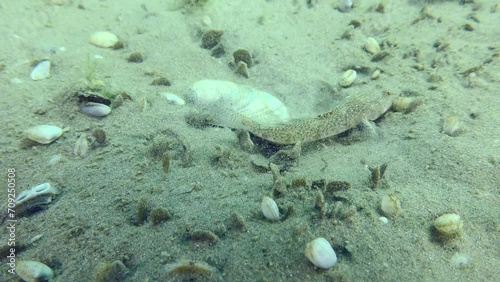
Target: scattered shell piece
pixel 448 225
pixel 320 253
pixel 345 5
pixel 371 46
pixel 383 220
pixel 33 271
pixel 452 127
pixel 55 159
pixel 242 69
pixel 348 78
pixel 375 74
pixel 390 205
pixel 173 99
pixel 44 134
pixel 96 109
pixel 143 104
pixel 104 39
pixel 460 261
pixel 406 104
pixel 206 21
pixel 16 80
pixel 189 267
pixel 270 209
pixel 41 70
pixel 81 146
pixel 35 198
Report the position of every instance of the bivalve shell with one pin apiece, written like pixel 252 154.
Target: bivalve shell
pixel 270 209
pixel 233 105
pixel 320 253
pixel 448 225
pixel 96 109
pixel 348 78
pixel 35 198
pixel 33 271
pixel 390 205
pixel 81 146
pixel 371 45
pixel 44 134
pixel 173 99
pixel 104 39
pixel 41 70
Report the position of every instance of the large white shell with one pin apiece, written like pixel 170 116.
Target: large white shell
pixel 270 209
pixel 33 271
pixel 40 71
pixel 320 253
pixel 96 109
pixel 44 134
pixel 230 104
pixel 104 39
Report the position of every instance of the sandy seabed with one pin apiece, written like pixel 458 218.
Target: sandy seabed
pixel 445 53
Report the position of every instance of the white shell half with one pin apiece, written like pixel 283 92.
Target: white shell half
pixel 104 39
pixel 81 146
pixel 40 71
pixel 44 134
pixel 345 5
pixel 320 253
pixel 270 209
pixel 230 104
pixel 33 271
pixel 173 99
pixel 371 45
pixel 348 78
pixel 96 109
